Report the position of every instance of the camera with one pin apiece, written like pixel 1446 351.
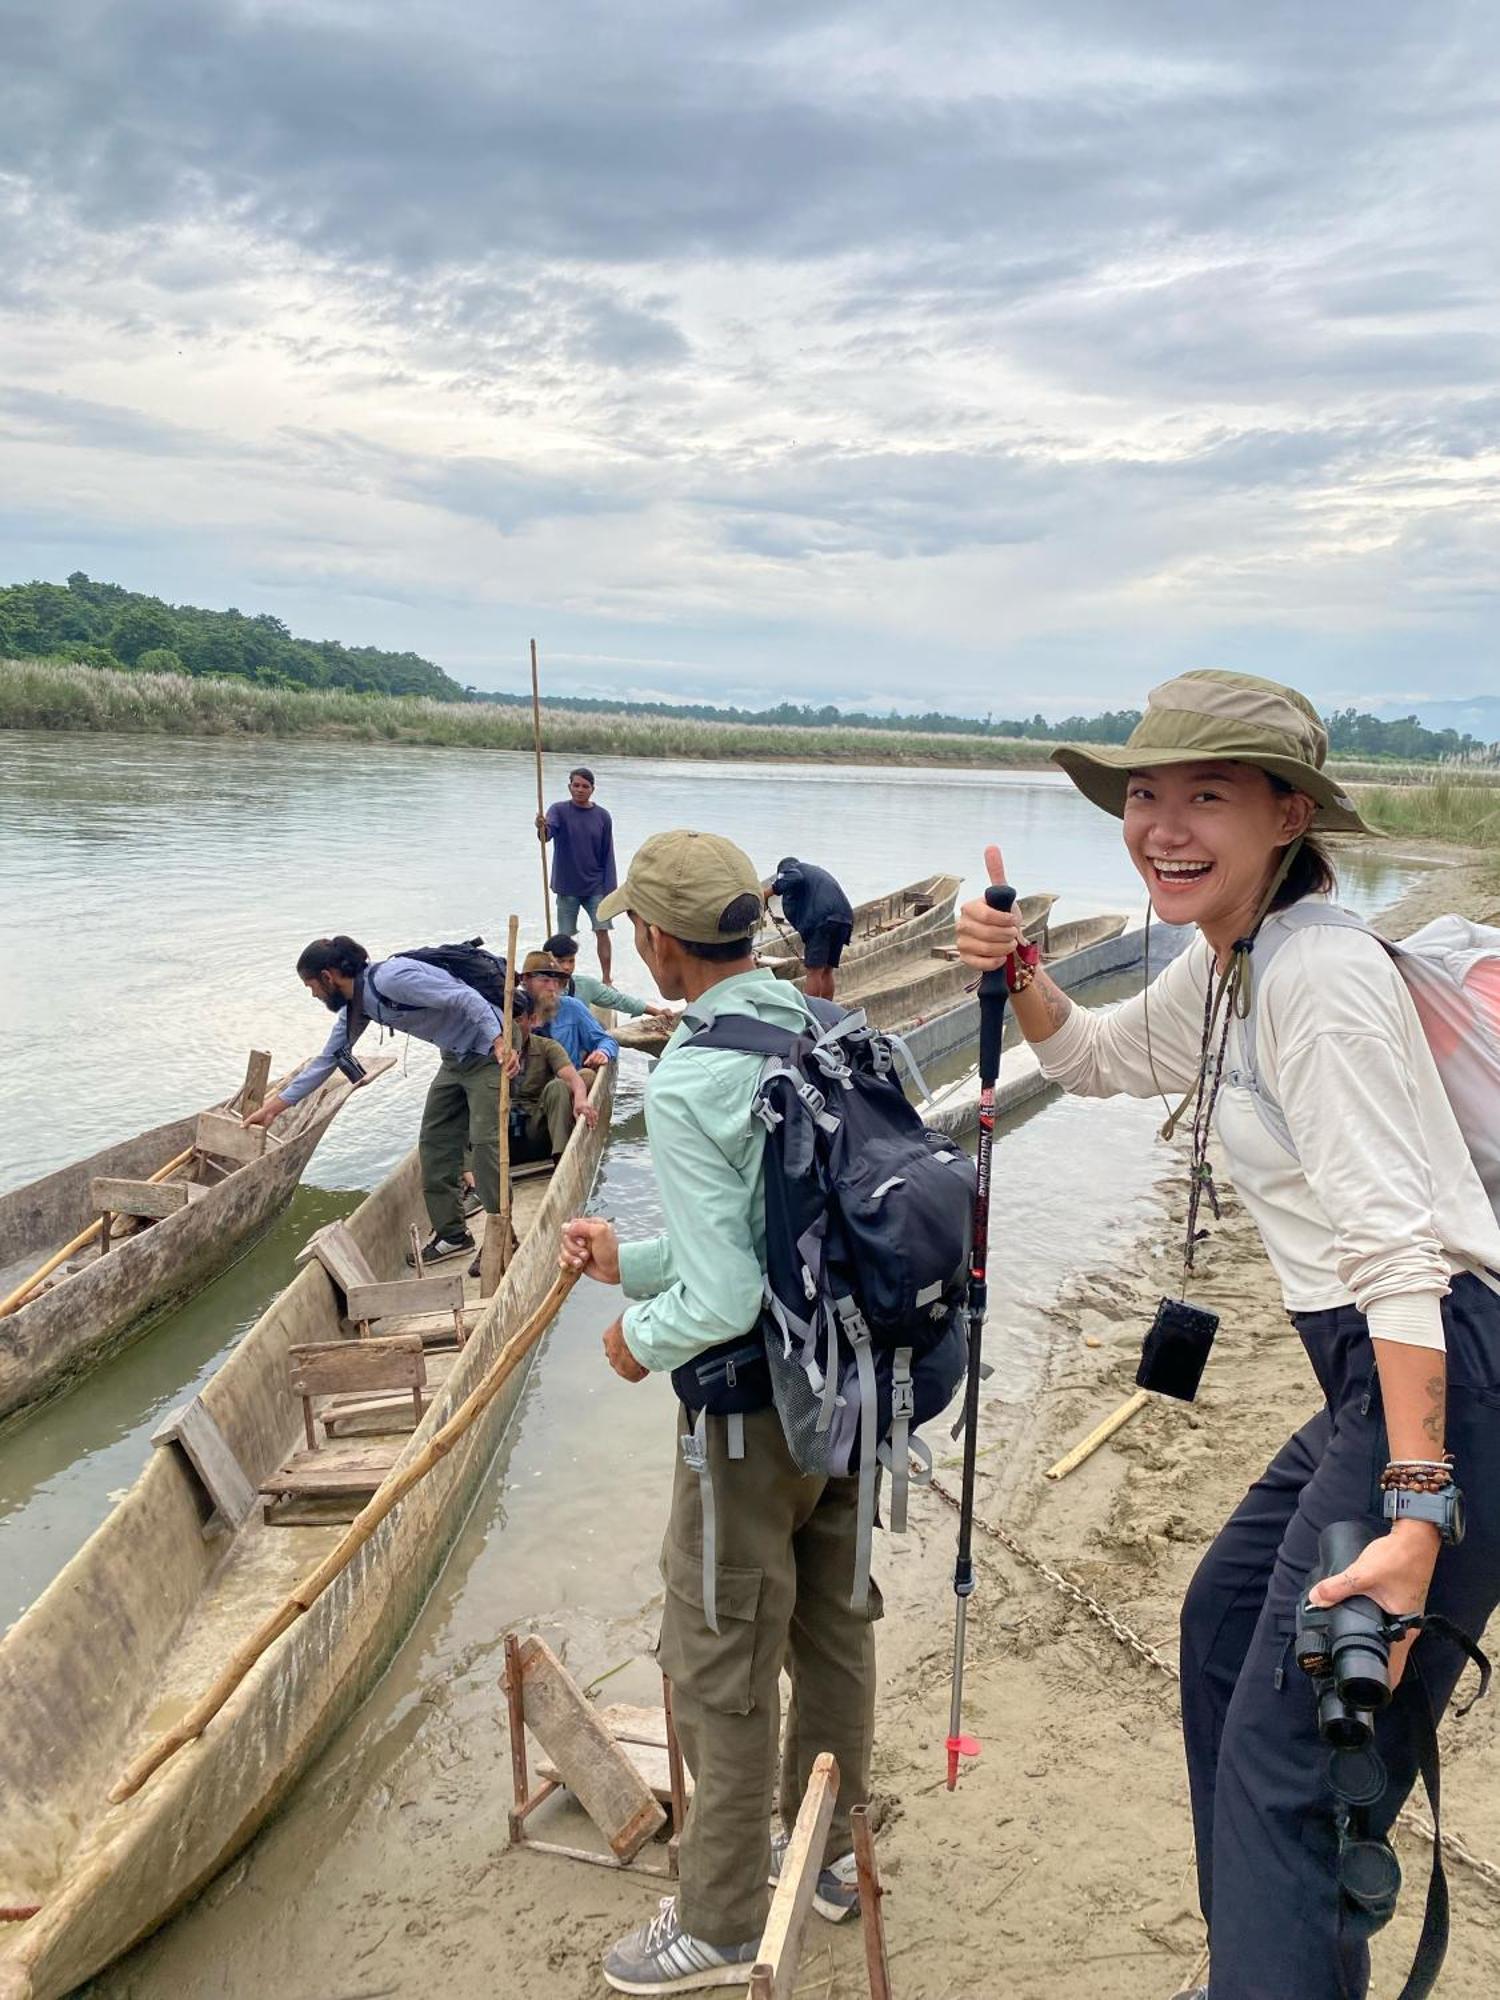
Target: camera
pixel 1345 1648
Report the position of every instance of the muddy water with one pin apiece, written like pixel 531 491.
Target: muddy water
pixel 195 871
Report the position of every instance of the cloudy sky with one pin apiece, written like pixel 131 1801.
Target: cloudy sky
pixel 990 356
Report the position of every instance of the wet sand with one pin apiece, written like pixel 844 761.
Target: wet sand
pixel 1061 1868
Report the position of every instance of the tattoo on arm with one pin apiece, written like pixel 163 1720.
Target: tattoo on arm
pixel 1057 1003
pixel 1433 1423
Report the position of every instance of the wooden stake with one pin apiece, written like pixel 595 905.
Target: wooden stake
pixel 775 1970
pixel 360 1529
pixel 494 1259
pixel 253 1090
pixel 536 737
pixel 1071 1460
pixel 871 1920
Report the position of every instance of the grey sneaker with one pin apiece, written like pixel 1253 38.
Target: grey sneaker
pixel 1192 1993
pixel 837 1893
pixel 436 1248
pixel 660 1957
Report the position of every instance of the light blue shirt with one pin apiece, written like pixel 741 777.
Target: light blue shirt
pixel 580 1034
pixel 415 999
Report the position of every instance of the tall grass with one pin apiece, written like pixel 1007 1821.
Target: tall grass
pixel 1466 814
pixel 53 695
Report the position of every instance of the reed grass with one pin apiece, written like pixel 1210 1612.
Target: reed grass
pixel 1465 814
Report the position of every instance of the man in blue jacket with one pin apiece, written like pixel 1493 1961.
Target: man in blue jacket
pixel 555 1012
pixel 820 913
pixel 463 1100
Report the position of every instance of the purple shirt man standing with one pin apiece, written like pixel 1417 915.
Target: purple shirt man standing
pixel 583 858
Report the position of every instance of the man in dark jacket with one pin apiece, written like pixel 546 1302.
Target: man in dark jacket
pixel 822 916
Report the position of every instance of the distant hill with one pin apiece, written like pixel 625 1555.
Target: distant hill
pixel 1479 715
pixel 105 625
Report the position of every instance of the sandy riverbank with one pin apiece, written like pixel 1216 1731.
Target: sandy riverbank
pixel 1061 1869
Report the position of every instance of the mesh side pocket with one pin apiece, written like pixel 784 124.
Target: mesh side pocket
pixel 798 1406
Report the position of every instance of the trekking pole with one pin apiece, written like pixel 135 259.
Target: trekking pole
pixel 993 989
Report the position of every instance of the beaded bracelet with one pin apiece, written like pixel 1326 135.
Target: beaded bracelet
pixel 1424 1475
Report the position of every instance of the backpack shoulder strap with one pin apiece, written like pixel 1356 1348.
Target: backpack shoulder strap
pixel 1276 931
pixel 744 1034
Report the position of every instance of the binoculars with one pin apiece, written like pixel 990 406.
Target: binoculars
pixel 1345 1648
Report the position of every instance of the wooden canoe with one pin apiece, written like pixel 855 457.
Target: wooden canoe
pixel 886 929
pixel 96 1303
pixel 145 1615
pixel 1063 940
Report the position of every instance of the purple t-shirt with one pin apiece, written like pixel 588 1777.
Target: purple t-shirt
pixel 583 849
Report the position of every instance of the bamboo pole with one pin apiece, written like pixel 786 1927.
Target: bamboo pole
pixel 1071 1460
pixel 536 738
pixel 359 1531
pixel 13 1301
pixel 495 1256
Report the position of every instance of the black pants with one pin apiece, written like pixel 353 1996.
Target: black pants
pixel 1262 1813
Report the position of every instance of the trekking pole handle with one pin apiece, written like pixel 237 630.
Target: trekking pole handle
pixel 994 991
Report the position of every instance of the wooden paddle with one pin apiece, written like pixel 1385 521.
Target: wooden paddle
pixel 536 738
pixel 498 1237
pixel 359 1531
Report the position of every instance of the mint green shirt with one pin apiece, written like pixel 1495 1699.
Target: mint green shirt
pixel 702 1281
pixel 594 993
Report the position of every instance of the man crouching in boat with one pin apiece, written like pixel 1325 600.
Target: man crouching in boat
pixel 762 1578
pixel 463 1099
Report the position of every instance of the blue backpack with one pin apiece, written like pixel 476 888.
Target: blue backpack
pixel 868 1227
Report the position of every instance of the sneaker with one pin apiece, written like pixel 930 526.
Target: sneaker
pixel 660 1957
pixel 837 1893
pixel 472 1202
pixel 438 1247
pixel 1192 1993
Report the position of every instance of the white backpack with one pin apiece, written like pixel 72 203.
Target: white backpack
pixel 1452 971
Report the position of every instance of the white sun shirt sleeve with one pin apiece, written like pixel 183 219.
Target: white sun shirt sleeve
pixel 1148 1046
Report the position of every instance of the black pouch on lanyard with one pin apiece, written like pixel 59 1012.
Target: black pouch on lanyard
pixel 1175 1351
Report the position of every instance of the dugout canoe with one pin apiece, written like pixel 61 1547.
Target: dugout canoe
pixel 143 1618
pixel 1063 940
pixel 886 929
pixel 96 1303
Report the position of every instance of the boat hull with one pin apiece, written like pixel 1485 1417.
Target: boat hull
pixel 54 1339
pixel 143 1859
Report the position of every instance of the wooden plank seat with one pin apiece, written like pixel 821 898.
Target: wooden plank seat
pixel 347 1468
pixel 219 1137
pixel 368 1297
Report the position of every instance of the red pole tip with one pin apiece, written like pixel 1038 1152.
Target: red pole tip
pixel 959 1746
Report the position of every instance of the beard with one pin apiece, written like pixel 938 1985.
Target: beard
pixel 334 1001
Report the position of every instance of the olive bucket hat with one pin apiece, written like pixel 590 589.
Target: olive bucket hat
pixel 1210 715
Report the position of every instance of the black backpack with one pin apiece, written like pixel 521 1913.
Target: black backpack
pixel 868 1226
pixel 468 962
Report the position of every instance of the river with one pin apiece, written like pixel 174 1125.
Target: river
pixel 159 892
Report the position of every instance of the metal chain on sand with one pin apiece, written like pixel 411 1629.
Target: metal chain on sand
pixel 1412 1820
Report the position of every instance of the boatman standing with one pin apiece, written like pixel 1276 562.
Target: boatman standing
pixel 783 1548
pixel 583 858
pixel 817 909
pixel 463 1099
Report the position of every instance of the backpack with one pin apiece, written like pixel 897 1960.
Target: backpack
pixel 468 962
pixel 1451 968
pixel 868 1227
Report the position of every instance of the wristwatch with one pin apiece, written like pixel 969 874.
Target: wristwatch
pixel 1445 1510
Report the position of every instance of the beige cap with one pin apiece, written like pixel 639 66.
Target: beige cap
pixel 683 882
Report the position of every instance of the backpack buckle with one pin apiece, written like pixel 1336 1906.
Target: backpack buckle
pixel 694 1457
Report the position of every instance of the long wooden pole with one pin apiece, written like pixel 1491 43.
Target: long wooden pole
pixel 497 1229
pixel 360 1529
pixel 536 738
pixel 1101 1434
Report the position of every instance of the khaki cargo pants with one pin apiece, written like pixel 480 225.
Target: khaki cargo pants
pixel 784 1572
pixel 461 1116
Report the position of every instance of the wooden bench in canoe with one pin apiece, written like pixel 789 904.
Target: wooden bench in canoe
pixel 144 1618
pixel 141 1239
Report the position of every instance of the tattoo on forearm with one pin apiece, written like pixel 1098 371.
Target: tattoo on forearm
pixel 1057 1003
pixel 1434 1422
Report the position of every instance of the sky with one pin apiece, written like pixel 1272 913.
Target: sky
pixel 991 357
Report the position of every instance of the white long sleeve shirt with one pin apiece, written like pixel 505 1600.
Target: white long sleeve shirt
pixel 1382 1204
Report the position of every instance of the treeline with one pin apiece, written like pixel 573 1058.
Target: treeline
pixel 1351 733
pixel 105 625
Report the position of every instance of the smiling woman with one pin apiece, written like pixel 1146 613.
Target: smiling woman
pixel 1294 1033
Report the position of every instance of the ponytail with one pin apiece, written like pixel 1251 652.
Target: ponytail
pixel 336 954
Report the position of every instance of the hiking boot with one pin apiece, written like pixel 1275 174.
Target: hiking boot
pixel 436 1248
pixel 660 1957
pixel 837 1893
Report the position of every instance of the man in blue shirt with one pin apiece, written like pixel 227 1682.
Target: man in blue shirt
pixel 556 1013
pixel 583 858
pixel 463 1100
pixel 820 913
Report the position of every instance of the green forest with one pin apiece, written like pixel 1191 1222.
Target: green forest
pixel 104 625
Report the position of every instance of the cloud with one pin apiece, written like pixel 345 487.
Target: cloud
pixel 784 342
